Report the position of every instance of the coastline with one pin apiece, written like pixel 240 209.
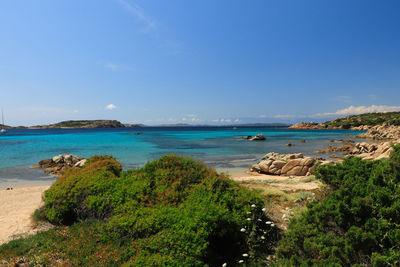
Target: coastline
pixel 17 205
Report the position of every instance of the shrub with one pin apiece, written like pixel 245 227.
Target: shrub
pixel 358 223
pixel 172 212
pixel 82 193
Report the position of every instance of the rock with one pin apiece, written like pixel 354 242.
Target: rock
pixel 382 132
pixel 258 137
pixel 297 171
pixel 289 165
pixel 303 141
pixel 80 163
pixel 346 148
pixel 46 163
pixel 307 161
pixel 58 159
pixel 293 156
pixel 278 164
pixel 290 144
pixel 306 125
pixel 59 164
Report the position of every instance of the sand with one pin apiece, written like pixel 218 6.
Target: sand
pixel 285 183
pixel 16 207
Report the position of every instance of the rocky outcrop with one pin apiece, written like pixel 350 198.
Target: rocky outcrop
pixel 286 165
pixel 382 132
pixel 306 125
pixel 258 137
pixel 346 148
pixel 59 164
pixel 361 128
pixel 372 151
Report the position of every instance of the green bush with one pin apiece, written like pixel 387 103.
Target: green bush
pixel 358 223
pixel 82 193
pixel 172 212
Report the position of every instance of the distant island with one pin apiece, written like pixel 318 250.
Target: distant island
pixel 227 125
pixel 354 122
pixel 82 124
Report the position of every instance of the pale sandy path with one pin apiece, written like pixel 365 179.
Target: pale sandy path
pixel 16 207
pixel 281 182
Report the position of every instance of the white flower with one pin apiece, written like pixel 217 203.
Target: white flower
pixel 259 220
pixel 262 237
pixel 268 222
pixel 242 230
pixel 241 261
pixel 264 209
pixel 253 205
pixel 224 265
pixel 272 225
pixel 245 255
pixel 248 219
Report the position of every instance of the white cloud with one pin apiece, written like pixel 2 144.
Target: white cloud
pixel 112 66
pixel 237 120
pixel 262 116
pixel 354 110
pixel 111 106
pixel 137 12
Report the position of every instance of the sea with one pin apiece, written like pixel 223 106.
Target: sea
pixel 223 148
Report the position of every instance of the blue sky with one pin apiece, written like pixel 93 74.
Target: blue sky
pixel 156 62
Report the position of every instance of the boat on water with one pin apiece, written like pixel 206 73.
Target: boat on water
pixel 2 130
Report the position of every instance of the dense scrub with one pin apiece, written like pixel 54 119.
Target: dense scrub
pixel 357 224
pixel 371 119
pixel 172 212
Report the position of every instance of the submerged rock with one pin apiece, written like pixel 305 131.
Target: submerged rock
pixel 258 137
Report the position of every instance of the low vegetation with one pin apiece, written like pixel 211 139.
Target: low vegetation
pixel 177 212
pixel 358 223
pixel 172 212
pixel 370 119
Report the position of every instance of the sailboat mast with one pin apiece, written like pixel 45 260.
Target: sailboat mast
pixel 2 117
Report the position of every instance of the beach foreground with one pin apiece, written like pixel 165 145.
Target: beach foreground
pixel 16 208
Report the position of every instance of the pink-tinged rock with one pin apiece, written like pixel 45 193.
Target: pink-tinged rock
pixel 297 171
pixel 290 165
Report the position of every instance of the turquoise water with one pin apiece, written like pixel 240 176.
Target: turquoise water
pixel 221 147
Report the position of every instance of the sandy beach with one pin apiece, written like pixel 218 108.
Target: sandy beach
pixel 16 207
